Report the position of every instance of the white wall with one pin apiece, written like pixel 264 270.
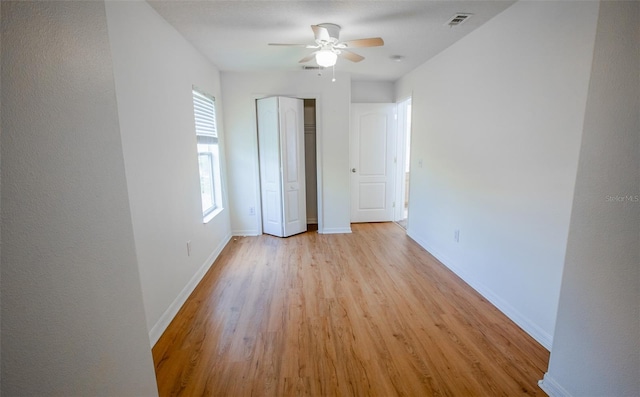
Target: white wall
pixel 240 90
pixel 72 311
pixel 372 92
pixel 497 122
pixel 596 348
pixel 154 70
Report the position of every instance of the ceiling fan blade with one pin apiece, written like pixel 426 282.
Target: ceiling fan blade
pixel 308 57
pixel 370 42
pixel 320 33
pixel 352 56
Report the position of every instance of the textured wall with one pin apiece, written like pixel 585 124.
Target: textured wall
pixel 73 322
pixel 372 92
pixel 497 122
pixel 596 349
pixel 155 69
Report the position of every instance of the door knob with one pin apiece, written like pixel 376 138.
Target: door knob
pixel 353 170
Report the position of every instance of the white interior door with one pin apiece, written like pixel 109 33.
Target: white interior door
pixel 270 178
pixel 282 175
pixel 293 175
pixel 372 147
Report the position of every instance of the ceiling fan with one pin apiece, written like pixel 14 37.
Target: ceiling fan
pixel 329 48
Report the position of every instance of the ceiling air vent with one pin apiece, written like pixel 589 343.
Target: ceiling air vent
pixel 458 19
pixel 308 67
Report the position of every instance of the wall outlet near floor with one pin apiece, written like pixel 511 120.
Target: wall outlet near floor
pixel 252 210
pixel 189 248
pixel 456 235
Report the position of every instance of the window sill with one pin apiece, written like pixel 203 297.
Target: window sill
pixel 211 215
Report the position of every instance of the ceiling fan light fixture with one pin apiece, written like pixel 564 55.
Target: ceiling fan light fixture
pixel 326 58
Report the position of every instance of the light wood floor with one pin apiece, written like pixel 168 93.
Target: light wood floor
pixel 365 314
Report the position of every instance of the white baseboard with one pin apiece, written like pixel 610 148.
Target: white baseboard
pixel 544 338
pixel 244 233
pixel 335 230
pixel 552 388
pixel 174 307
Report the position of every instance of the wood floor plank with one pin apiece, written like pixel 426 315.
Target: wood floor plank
pixel 364 314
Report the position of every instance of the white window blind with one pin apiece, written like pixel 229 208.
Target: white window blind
pixel 205 115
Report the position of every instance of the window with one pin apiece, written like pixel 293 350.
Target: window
pixel 208 154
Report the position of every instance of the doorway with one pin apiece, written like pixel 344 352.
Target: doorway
pixel 311 167
pixel 372 150
pixel 281 158
pixel 403 173
pixel 310 134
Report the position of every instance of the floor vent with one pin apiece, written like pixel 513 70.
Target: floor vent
pixel 458 19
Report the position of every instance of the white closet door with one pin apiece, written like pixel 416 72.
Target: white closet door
pixel 270 179
pixel 293 175
pixel 282 176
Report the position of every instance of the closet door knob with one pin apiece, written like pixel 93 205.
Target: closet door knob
pixel 353 170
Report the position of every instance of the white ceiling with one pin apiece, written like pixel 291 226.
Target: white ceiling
pixel 234 34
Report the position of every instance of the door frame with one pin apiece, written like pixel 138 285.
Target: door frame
pixel 401 158
pixel 258 189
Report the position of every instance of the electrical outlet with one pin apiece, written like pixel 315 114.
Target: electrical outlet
pixel 189 248
pixel 456 235
pixel 252 210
